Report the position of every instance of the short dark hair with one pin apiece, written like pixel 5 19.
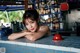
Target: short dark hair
pixel 32 14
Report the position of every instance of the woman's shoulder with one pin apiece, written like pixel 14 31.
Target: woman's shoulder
pixel 43 27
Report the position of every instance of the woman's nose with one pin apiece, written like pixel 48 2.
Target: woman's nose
pixel 31 26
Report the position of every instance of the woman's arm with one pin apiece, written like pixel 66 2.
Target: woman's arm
pixel 14 36
pixel 30 35
pixel 36 35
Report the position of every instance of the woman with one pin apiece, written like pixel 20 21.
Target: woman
pixel 33 30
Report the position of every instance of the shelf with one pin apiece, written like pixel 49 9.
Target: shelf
pixel 11 8
pixel 50 14
pixel 11 3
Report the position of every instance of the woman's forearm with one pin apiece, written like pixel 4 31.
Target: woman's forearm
pixel 34 35
pixel 16 35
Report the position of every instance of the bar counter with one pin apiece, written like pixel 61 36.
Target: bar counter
pixel 69 44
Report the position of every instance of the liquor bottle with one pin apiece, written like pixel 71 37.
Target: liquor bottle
pixel 61 26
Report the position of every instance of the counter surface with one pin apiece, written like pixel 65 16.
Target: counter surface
pixel 69 43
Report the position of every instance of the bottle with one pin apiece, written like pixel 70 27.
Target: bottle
pixel 61 25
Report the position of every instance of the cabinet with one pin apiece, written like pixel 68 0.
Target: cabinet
pixel 49 11
pixel 78 28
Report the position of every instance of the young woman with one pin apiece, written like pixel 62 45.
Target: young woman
pixel 33 30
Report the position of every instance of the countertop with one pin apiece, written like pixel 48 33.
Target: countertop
pixel 69 43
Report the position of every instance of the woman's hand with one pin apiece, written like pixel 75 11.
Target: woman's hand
pixel 27 32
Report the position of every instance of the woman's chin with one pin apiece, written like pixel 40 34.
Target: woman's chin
pixel 33 31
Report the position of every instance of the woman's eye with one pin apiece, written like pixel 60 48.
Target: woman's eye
pixel 26 24
pixel 32 22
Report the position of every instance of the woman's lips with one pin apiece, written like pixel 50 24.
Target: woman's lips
pixel 32 29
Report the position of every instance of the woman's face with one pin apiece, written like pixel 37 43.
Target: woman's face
pixel 31 25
